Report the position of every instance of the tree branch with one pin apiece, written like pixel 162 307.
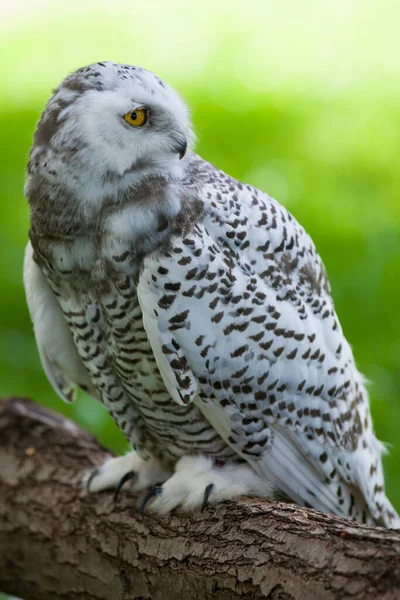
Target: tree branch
pixel 57 542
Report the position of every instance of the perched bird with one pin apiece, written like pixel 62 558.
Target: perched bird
pixel 193 306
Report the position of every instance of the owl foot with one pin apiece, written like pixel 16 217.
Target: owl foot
pixel 117 472
pixel 198 482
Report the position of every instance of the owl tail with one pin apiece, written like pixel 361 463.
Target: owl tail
pixel 388 517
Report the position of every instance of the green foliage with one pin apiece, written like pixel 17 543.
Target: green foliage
pixel 318 132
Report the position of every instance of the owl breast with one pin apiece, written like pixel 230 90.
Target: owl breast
pixel 96 289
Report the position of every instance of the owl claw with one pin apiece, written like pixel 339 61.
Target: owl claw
pixel 115 472
pixel 92 475
pixel 130 475
pixel 155 491
pixel 207 493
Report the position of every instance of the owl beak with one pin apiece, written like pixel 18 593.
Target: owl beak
pixel 182 149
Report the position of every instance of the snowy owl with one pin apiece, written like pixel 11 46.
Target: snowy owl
pixel 193 306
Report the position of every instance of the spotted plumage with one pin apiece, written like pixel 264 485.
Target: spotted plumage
pixel 193 306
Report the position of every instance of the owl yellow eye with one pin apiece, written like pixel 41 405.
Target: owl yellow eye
pixel 137 117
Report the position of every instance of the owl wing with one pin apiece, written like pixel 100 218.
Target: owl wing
pixel 61 362
pixel 241 322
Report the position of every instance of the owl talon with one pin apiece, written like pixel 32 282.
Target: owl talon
pixel 115 472
pixel 156 491
pixel 92 475
pixel 130 475
pixel 207 493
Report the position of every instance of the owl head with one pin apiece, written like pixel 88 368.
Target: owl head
pixel 107 125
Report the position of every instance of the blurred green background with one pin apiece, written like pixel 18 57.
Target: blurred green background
pixel 298 98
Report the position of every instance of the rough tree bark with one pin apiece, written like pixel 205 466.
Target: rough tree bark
pixel 57 542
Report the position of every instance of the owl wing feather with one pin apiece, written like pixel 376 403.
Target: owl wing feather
pixel 177 375
pixel 261 351
pixel 61 362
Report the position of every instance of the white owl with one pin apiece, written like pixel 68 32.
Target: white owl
pixel 193 306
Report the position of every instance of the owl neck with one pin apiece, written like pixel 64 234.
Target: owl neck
pixel 145 214
pixel 105 186
pixel 144 220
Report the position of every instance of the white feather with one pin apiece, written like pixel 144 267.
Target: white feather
pixel 61 362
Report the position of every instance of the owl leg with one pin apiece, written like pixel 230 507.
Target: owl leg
pixel 198 481
pixel 115 472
